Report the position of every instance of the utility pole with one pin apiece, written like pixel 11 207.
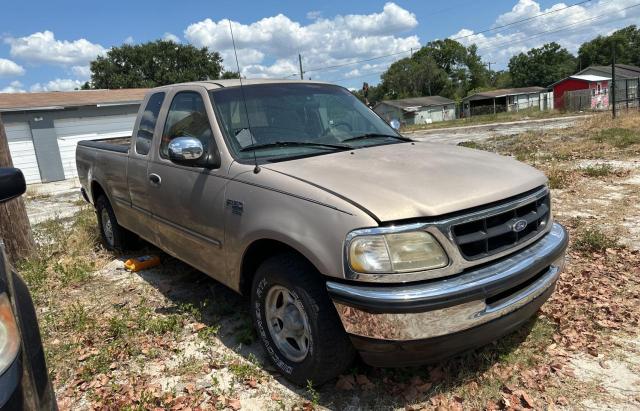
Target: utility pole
pixel 301 72
pixel 613 79
pixel 489 63
pixel 15 229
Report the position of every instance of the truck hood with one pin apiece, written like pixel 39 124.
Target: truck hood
pixel 401 181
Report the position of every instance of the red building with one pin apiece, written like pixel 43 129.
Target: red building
pixel 595 95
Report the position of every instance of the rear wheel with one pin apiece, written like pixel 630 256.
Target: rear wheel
pixel 114 237
pixel 297 322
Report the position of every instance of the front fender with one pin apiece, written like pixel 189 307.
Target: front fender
pixel 307 223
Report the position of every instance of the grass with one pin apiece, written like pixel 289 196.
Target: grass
pixel 598 170
pixel 592 239
pixel 618 137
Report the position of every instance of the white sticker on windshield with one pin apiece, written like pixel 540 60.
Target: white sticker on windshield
pixel 244 138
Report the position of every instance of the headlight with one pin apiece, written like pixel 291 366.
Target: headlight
pixel 397 252
pixel 9 338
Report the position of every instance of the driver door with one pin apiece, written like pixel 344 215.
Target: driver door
pixel 188 200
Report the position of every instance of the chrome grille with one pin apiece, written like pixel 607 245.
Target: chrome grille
pixel 495 233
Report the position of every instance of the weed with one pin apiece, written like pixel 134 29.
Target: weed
pixel 598 170
pixel 593 240
pixel 471 144
pixel 314 396
pixel 74 272
pixel 558 178
pixel 618 137
pixel 246 370
pixel 76 318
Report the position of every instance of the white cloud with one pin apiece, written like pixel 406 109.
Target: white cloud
pixel 56 85
pixel 323 42
pixel 42 47
pixel 13 87
pixel 569 27
pixel 81 71
pixel 314 14
pixel 171 37
pixel 129 40
pixel 10 68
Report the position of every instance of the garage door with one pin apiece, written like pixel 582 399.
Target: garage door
pixel 72 130
pixel 22 152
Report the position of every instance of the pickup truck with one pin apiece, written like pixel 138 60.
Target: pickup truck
pixel 347 237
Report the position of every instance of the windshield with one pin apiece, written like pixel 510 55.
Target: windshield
pixel 291 120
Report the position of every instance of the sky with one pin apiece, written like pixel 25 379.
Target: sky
pixel 48 45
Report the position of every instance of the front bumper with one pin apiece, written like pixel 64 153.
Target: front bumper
pixel 428 321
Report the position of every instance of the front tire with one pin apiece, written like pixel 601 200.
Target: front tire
pixel 114 237
pixel 297 322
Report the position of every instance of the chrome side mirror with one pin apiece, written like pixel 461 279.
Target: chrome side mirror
pixel 395 124
pixel 185 149
pixel 12 183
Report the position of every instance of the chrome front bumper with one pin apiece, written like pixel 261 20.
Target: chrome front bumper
pixel 451 305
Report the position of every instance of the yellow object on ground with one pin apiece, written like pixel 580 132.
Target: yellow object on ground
pixel 141 263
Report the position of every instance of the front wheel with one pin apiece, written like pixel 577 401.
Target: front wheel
pixel 297 322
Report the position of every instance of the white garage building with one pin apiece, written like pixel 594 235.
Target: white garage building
pixel 417 110
pixel 43 128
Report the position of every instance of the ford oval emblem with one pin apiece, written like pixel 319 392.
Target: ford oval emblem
pixel 519 225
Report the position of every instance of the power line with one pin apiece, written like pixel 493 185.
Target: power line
pixel 556 29
pixel 551 31
pixel 451 38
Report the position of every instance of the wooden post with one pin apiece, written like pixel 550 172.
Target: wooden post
pixel 15 229
pixel 494 105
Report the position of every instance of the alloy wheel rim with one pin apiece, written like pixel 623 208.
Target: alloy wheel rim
pixel 288 323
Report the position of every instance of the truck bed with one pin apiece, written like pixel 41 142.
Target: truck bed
pixel 118 144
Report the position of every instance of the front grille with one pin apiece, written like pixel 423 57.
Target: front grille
pixel 495 233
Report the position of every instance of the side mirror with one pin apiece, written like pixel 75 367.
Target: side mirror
pixel 185 150
pixel 12 183
pixel 395 124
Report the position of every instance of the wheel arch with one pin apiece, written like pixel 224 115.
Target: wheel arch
pixel 257 252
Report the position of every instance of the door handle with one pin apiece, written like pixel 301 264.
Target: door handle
pixel 155 179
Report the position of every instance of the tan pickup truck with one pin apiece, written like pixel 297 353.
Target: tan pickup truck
pixel 346 236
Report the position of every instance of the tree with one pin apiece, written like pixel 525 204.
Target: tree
pixel 598 50
pixel 541 66
pixel 153 64
pixel 15 229
pixel 442 67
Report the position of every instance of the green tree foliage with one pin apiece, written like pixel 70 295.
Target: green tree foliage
pixel 442 67
pixel 541 66
pixel 598 50
pixel 154 64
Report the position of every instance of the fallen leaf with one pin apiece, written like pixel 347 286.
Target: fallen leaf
pixel 233 403
pixel 344 383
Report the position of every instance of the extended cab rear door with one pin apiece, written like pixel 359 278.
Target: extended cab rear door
pixel 188 201
pixel 139 219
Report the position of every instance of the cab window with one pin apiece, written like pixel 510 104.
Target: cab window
pixel 187 117
pixel 148 123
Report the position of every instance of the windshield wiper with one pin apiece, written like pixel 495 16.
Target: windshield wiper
pixel 296 143
pixel 376 135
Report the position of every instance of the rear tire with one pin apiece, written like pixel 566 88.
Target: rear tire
pixel 297 322
pixel 114 237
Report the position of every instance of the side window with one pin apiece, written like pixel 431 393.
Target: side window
pixel 148 123
pixel 187 117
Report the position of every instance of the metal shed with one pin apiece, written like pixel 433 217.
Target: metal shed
pixel 508 99
pixel 44 128
pixel 418 110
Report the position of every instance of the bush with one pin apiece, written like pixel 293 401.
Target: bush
pixel 598 170
pixel 558 178
pixel 593 240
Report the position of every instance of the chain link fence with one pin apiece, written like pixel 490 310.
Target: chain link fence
pixel 626 97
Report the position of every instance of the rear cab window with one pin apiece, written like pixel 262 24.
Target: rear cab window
pixel 144 137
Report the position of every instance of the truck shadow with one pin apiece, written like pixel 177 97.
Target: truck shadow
pixel 227 312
